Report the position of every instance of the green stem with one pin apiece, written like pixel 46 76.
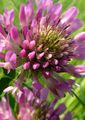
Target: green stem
pixel 78 98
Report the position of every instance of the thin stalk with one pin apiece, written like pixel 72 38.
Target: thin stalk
pixel 78 98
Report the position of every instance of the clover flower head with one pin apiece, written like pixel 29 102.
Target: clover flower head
pixel 33 104
pixel 44 44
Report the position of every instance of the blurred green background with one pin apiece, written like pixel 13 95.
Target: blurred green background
pixel 74 103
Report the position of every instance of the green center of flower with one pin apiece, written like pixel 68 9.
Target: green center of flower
pixel 52 40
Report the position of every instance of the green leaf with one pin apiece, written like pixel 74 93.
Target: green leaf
pixel 6 80
pixel 13 105
pixel 11 74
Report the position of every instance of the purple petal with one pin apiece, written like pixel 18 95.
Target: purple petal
pixel 22 15
pixel 69 15
pixel 36 66
pixel 14 34
pixel 26 65
pixel 24 31
pixel 74 25
pixel 34 25
pixel 29 12
pixel 8 55
pixel 32 44
pixel 9 18
pixel 31 55
pixel 36 86
pixel 80 69
pixel 25 44
pixel 80 37
pixel 54 13
pixel 77 71
pixel 79 54
pixel 3 42
pixel 39 14
pixel 13 58
pixel 6 110
pixel 43 94
pixel 22 53
pixel 26 14
pixel 61 108
pixel 40 55
pixel 44 3
pixel 79 46
pixel 45 65
pixel 43 21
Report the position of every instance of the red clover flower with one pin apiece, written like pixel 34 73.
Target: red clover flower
pixel 44 47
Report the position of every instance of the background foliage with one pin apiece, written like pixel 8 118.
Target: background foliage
pixel 75 103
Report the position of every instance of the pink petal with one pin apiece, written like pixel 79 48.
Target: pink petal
pixel 69 15
pixel 31 55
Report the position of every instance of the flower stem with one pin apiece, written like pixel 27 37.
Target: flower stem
pixel 78 98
